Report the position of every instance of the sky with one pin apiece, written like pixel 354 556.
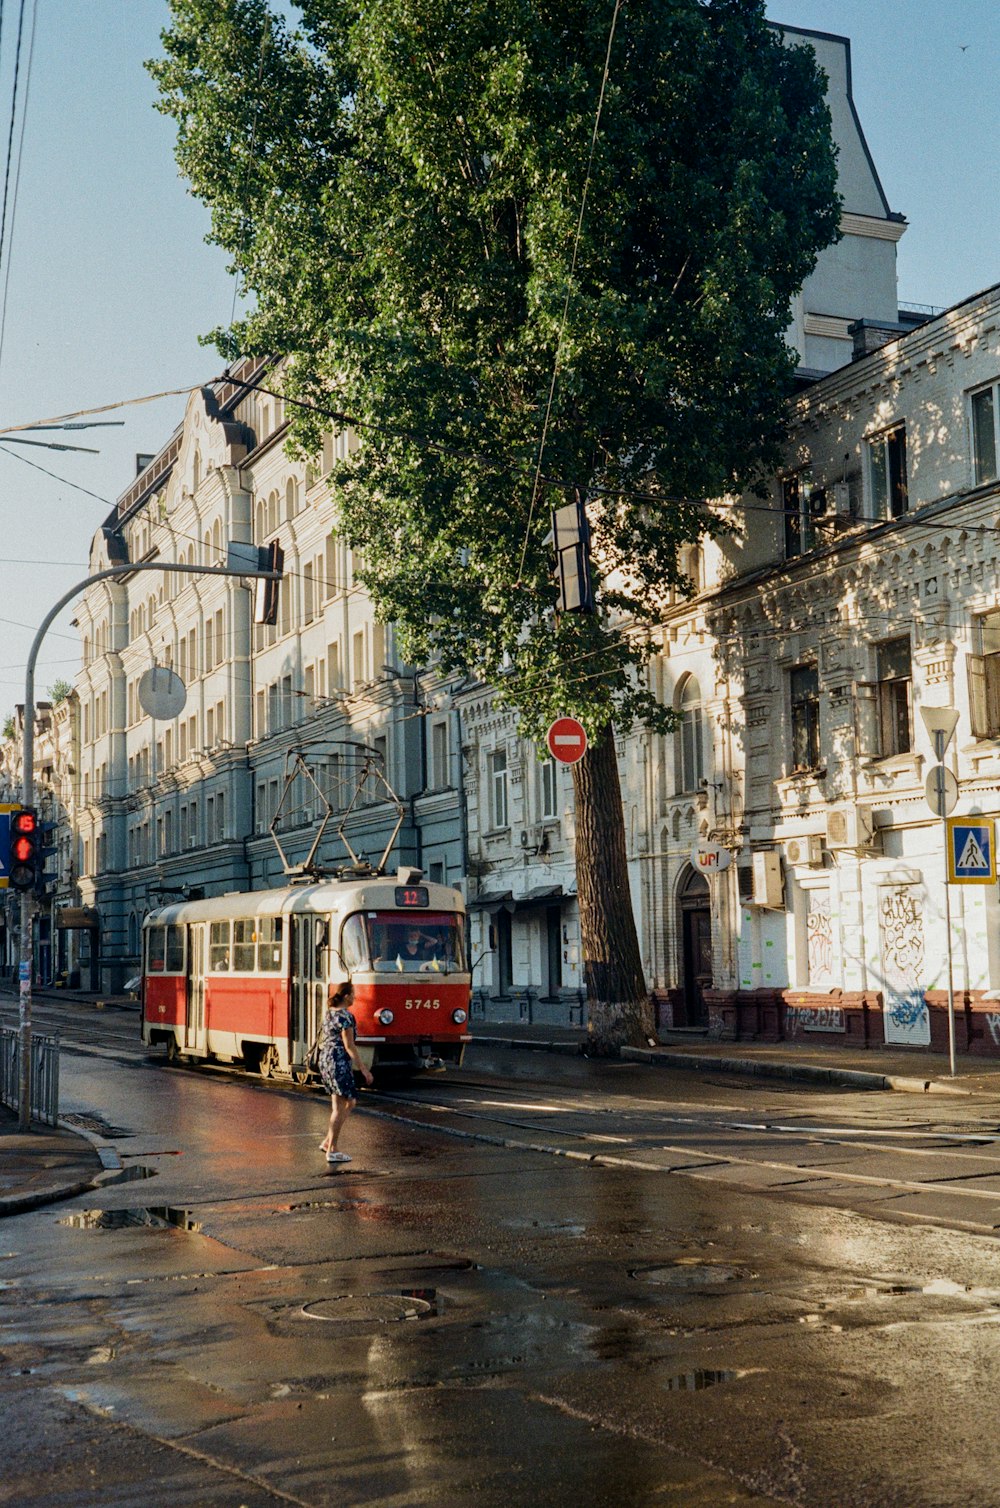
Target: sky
pixel 106 282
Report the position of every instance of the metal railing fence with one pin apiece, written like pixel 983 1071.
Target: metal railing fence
pixel 44 1073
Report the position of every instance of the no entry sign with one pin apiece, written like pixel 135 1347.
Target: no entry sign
pixel 567 740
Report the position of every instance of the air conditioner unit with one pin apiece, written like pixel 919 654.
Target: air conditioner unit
pixel 849 826
pixel 767 885
pixel 840 497
pixel 525 837
pixel 192 841
pixel 806 850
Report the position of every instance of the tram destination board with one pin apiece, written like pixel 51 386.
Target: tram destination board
pixel 408 896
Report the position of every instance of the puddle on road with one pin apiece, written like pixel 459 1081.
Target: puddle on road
pixel 150 1217
pixel 378 1308
pixel 687 1272
pixel 132 1174
pixel 322 1204
pixel 701 1377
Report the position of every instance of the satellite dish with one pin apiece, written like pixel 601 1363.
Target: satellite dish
pixel 162 693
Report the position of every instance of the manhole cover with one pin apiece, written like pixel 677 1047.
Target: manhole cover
pixel 377 1308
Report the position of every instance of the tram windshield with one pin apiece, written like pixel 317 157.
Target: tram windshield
pixel 404 944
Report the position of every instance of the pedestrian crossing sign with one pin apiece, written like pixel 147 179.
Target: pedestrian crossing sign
pixel 971 852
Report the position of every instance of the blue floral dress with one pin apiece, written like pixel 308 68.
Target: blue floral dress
pixel 336 1068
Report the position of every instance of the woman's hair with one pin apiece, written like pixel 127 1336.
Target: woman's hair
pixel 341 993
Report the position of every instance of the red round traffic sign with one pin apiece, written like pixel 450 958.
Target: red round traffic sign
pixel 567 740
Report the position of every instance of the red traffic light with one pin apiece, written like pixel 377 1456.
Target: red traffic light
pixel 25 837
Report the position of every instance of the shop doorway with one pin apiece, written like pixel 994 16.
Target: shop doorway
pixel 696 947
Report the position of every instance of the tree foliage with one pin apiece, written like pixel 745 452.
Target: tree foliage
pixel 398 184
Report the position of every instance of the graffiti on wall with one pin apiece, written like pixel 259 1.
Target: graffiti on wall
pixel 901 929
pixel 819 939
pixel 814 1018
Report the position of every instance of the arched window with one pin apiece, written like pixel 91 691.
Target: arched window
pixel 196 470
pixel 217 538
pixel 272 512
pixel 291 497
pixel 690 735
pixel 261 524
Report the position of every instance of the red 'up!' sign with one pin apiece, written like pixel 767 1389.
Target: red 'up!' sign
pixel 567 740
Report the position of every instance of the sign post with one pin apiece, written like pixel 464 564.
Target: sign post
pixel 940 723
pixel 567 740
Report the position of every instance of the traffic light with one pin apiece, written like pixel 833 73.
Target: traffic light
pixel 46 876
pixel 571 533
pixel 271 558
pixel 25 848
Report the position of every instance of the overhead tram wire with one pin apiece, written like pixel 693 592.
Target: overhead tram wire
pixel 718 508
pixel 17 171
pixel 569 287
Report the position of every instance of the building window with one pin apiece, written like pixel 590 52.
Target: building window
pixel 691 735
pixel 802 503
pixel 439 756
pixel 887 472
pixel 984 676
pixel 498 788
pixel 894 680
pixel 803 684
pixel 548 789
pixel 984 433
pixel 505 952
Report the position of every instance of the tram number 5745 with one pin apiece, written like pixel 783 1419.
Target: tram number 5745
pixel 413 1004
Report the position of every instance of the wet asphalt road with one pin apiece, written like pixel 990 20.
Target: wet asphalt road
pixel 807 1313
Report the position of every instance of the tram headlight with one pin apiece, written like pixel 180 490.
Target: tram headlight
pixel 459 1016
pixel 385 1016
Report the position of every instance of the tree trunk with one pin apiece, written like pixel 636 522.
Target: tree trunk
pixel 620 1010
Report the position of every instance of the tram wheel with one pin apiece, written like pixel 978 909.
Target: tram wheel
pixel 300 1075
pixel 267 1067
pixel 173 1051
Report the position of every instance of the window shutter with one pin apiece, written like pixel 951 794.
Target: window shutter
pixel 867 720
pixel 978 708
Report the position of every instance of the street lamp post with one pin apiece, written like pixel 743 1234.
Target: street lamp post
pixel 940 723
pixel 243 565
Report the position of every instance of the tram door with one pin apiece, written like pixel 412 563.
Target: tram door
pixel 309 981
pixel 194 1020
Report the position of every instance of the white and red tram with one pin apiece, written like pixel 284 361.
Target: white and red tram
pixel 245 978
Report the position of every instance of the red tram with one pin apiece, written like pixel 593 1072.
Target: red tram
pixel 244 978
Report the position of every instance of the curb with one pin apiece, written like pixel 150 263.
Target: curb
pixel 852 1078
pixel 17 1204
pixel 847 1078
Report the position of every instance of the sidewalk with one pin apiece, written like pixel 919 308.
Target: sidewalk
pixel 904 1070
pixel 43 1164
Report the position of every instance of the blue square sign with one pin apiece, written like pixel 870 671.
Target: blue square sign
pixel 971 852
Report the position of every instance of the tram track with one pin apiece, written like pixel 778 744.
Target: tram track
pixel 924 1163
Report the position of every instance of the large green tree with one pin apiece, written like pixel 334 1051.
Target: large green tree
pixel 399 184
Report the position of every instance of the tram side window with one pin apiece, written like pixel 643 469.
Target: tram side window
pixel 175 950
pixel 269 944
pixel 165 950
pixel 218 948
pixel 156 950
pixel 244 946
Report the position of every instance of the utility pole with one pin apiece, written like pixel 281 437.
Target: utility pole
pixel 245 560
